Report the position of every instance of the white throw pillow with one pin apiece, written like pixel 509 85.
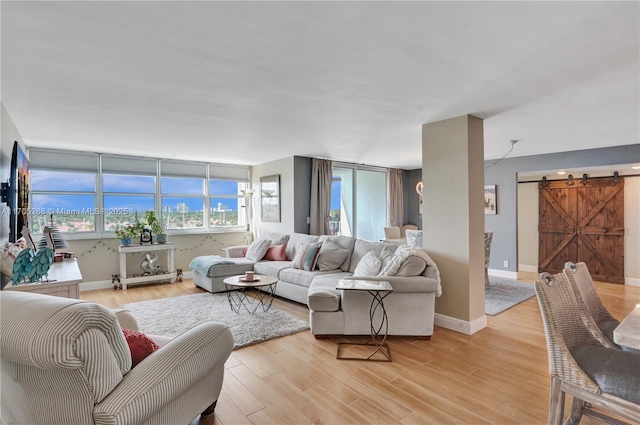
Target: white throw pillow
pixel 369 265
pixel 257 249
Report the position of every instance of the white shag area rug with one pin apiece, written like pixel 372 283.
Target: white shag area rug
pixel 173 316
pixel 504 294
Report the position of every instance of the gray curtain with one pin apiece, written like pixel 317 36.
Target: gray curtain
pixel 321 179
pixel 396 202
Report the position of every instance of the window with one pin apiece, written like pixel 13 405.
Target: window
pixel 226 203
pixel 358 202
pixel 182 202
pixel 63 190
pixel 97 193
pixel 128 186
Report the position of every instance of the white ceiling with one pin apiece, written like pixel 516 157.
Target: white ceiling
pixel 251 82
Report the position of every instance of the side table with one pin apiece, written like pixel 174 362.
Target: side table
pixel 237 289
pixel 379 290
pixel 169 247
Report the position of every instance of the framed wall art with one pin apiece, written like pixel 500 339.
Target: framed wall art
pixel 270 198
pixel 490 204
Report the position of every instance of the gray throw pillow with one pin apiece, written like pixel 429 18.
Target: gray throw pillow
pixel 331 256
pixel 257 249
pixel 412 266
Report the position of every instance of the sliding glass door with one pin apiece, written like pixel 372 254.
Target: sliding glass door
pixel 359 202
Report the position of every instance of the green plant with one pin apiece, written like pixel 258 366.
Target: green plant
pixel 128 231
pixel 152 221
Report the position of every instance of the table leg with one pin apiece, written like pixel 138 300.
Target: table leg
pixel 123 270
pixel 377 332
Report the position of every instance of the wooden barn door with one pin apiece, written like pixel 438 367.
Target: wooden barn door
pixel 583 221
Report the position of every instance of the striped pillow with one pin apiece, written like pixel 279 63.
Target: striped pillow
pixel 307 257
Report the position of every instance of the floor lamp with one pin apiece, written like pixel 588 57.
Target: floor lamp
pixel 248 196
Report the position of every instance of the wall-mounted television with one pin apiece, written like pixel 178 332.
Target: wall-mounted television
pixel 16 193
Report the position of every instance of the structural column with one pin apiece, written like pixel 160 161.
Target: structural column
pixel 453 218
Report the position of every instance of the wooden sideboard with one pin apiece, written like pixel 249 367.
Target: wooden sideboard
pixel 64 281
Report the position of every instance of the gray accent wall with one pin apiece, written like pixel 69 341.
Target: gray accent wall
pixel 411 207
pixel 302 167
pixel 505 176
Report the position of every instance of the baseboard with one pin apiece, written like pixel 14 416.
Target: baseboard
pixel 462 326
pixel 104 284
pixel 503 273
pixel 527 268
pixel 631 281
pixel 98 284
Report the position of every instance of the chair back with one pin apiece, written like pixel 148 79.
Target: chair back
pixel 582 283
pixel 566 327
pixel 405 227
pixel 77 345
pixel 392 232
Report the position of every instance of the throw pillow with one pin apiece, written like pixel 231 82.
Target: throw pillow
pixel 258 249
pixel 414 238
pixel 331 256
pixel 276 253
pixel 306 257
pixel 369 265
pixel 412 266
pixel 140 345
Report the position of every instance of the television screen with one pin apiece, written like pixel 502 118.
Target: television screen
pixel 18 193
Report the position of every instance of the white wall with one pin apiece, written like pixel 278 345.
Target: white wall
pixel 285 168
pixel 528 228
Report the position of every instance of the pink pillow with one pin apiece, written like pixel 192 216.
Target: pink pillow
pixel 140 345
pixel 276 253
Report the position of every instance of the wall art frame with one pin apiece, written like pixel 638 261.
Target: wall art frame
pixel 270 198
pixel 490 199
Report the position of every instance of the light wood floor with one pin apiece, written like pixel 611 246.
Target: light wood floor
pixel 496 376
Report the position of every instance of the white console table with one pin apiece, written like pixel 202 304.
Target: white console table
pixel 64 280
pixel 169 247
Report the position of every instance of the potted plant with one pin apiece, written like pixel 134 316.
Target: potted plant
pixel 126 233
pixel 156 226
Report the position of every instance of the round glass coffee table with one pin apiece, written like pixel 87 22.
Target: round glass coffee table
pixel 264 289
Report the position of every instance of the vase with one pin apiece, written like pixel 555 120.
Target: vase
pixel 125 241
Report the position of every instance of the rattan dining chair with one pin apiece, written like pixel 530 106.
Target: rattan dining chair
pixel 488 237
pixel 580 364
pixel 586 295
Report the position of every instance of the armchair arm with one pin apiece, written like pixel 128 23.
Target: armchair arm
pixel 167 374
pixel 126 319
pixel 235 251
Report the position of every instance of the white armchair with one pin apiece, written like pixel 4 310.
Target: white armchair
pixel 66 361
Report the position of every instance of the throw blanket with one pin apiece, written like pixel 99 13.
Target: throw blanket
pixel 204 263
pixel 401 255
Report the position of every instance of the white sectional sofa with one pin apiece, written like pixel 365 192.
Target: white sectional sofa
pixel 410 308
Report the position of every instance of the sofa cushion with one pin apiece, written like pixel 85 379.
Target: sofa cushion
pixel 361 248
pixel 412 266
pixel 615 371
pixel 271 268
pixel 258 249
pixel 276 253
pixel 307 257
pixel 369 265
pixel 297 240
pixel 275 238
pixel 331 256
pixel 301 277
pixel 323 295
